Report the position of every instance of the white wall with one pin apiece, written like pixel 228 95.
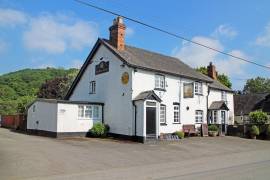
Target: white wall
pixel 45 113
pixel 215 95
pixel 68 120
pixel 145 80
pixel 118 109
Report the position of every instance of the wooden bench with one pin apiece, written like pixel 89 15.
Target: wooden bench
pixel 189 129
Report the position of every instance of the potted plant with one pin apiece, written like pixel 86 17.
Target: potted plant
pixel 212 130
pixel 254 131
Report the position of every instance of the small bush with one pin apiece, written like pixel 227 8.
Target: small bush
pixel 254 130
pixel 180 134
pixel 99 130
pixel 213 127
pixel 258 117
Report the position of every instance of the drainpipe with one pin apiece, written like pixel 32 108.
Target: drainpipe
pixel 207 112
pixel 135 118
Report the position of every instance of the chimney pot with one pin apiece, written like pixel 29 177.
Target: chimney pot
pixel 117 33
pixel 211 71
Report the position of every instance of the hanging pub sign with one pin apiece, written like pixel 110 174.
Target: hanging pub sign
pixel 188 90
pixel 102 67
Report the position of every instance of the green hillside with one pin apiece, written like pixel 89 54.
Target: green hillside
pixel 19 88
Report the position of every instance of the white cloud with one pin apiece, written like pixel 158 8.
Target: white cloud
pixel 11 17
pixel 225 30
pixel 129 31
pixel 230 65
pixel 55 34
pixel 197 56
pixel 264 39
pixel 76 64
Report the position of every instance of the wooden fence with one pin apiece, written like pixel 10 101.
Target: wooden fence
pixel 17 121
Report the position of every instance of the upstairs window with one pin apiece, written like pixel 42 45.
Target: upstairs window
pixel 176 113
pixel 224 96
pixel 159 81
pixel 92 87
pixel 198 88
pixel 198 116
pixel 162 116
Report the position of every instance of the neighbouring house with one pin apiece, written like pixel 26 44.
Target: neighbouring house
pixel 141 93
pixel 246 103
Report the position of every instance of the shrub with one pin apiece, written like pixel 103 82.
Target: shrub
pixel 254 130
pixel 258 117
pixel 99 130
pixel 213 127
pixel 180 134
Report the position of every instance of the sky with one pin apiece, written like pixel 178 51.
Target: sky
pixel 40 34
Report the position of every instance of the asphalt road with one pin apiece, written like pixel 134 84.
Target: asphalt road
pixel 31 157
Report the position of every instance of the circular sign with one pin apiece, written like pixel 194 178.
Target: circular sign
pixel 125 78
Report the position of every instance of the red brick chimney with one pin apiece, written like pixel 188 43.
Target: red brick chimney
pixel 211 70
pixel 117 34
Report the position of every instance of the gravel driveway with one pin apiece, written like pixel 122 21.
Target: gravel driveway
pixel 32 157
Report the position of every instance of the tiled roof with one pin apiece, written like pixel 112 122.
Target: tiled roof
pixel 216 105
pixel 157 62
pixel 147 95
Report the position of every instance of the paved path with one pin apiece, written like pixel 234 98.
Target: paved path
pixel 32 157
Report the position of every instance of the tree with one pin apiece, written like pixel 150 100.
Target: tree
pixel 18 89
pixel 222 78
pixel 257 85
pixel 56 88
pixel 258 117
pixel 53 89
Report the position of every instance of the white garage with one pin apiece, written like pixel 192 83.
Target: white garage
pixel 58 118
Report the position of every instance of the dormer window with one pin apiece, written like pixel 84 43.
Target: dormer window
pixel 198 88
pixel 159 81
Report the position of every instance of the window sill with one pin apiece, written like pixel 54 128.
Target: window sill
pixel 197 94
pixel 163 124
pixel 92 93
pixel 177 123
pixel 160 89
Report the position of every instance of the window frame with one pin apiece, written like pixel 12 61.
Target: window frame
pixel 215 116
pixel 90 111
pixel 92 87
pixel 80 111
pixel 176 111
pixel 198 88
pixel 162 106
pixel 224 96
pixel 95 107
pixel 160 78
pixel 198 116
